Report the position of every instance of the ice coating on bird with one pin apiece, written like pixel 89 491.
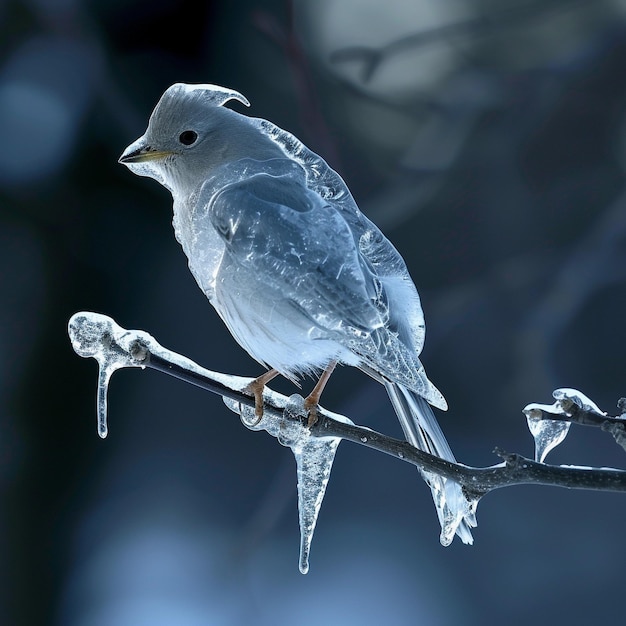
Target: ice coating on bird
pixel 213 93
pixel 298 274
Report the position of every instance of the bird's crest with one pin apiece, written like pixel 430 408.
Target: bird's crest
pixel 212 93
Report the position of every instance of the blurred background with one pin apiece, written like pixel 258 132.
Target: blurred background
pixel 485 137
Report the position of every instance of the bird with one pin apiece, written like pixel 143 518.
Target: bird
pixel 302 279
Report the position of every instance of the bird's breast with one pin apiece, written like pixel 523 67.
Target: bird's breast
pixel 201 244
pixel 269 327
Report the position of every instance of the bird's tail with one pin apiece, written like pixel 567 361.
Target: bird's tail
pixel 422 430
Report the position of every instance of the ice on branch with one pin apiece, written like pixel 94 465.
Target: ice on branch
pixel 113 347
pixel 549 433
pixel 98 336
pixel 314 460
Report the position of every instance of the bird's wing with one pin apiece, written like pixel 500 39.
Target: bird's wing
pixel 398 300
pixel 299 244
pixel 332 265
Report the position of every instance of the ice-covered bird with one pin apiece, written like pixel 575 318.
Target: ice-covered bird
pixel 302 279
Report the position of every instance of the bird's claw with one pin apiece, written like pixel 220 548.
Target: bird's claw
pixel 256 389
pixel 311 407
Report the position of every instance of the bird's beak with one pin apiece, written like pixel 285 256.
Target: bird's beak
pixel 140 152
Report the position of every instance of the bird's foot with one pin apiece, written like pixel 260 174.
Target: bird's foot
pixel 311 402
pixel 255 388
pixel 311 406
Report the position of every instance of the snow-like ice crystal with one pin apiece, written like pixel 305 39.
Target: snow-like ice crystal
pixel 98 336
pixel 549 433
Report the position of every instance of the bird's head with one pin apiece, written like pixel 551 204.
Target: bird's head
pixel 189 135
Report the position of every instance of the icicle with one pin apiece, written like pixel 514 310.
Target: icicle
pixel 104 376
pixel 98 336
pixel 549 433
pixel 314 460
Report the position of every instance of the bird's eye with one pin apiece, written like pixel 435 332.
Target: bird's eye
pixel 187 137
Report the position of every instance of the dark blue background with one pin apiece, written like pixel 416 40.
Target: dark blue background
pixel 490 151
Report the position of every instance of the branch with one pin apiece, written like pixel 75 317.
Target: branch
pixel 373 58
pixel 477 481
pixel 549 424
pixel 139 349
pixel 314 448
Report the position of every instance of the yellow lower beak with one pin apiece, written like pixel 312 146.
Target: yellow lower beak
pixel 143 154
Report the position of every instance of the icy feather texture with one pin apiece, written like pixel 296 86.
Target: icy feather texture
pixel 277 243
pixel 113 347
pixel 456 514
pixel 549 433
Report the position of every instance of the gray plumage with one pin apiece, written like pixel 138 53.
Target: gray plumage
pixel 298 274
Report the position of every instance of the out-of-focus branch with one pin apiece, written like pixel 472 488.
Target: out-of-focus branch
pixel 373 58
pixel 313 121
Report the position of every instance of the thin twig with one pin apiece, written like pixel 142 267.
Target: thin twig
pixel 373 58
pixel 98 336
pixel 477 481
